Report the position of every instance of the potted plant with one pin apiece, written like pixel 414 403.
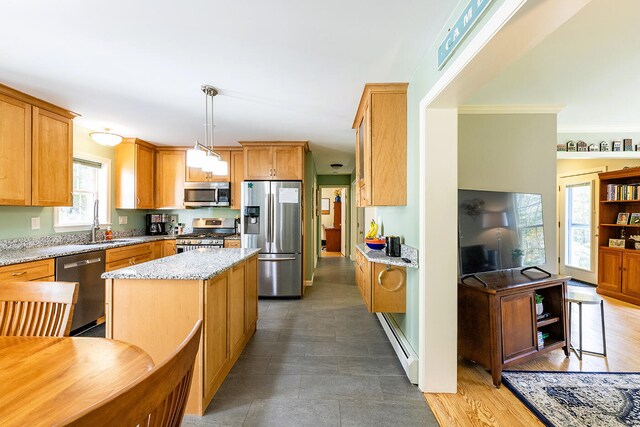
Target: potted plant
pixel 539 307
pixel 517 255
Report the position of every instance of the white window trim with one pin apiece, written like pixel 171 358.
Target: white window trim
pixel 106 172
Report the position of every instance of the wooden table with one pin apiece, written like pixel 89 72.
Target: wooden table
pixel 46 380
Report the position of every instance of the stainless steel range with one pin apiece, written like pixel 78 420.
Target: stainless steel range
pixel 207 233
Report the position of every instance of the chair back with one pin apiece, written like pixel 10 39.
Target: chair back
pixel 156 399
pixel 37 309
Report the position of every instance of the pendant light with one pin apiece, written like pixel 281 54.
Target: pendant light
pixel 204 156
pixel 106 138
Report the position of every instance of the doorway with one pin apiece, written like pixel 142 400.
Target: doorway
pixel 334 221
pixel 578 213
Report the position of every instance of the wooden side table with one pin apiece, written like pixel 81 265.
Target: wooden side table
pixel 497 323
pixel 580 298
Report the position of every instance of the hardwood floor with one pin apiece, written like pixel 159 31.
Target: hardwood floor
pixel 479 403
pixel 325 254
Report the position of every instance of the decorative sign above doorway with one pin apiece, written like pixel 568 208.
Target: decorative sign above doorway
pixel 469 17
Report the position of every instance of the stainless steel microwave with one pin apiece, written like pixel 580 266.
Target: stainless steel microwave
pixel 203 194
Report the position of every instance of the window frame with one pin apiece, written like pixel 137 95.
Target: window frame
pixel 105 182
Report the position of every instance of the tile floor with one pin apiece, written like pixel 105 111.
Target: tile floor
pixel 319 361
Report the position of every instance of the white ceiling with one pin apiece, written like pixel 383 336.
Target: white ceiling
pixel 591 64
pixel 286 69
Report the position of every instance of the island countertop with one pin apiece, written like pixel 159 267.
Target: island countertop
pixel 198 264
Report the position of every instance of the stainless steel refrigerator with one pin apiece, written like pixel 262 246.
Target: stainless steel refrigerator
pixel 272 221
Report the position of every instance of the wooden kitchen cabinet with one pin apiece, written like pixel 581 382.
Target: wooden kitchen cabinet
pixel 382 287
pixel 168 247
pixel 232 243
pixel 170 170
pixel 51 159
pixel 216 333
pixel 15 149
pixel 619 274
pixel 237 176
pixel 274 160
pixel 42 270
pixel 197 175
pixel 36 151
pixel 135 173
pixel 128 255
pixel 251 292
pixel 610 270
pixel 156 249
pixel 381 145
pixel 237 307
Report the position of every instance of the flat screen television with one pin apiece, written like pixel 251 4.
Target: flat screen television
pixel 499 231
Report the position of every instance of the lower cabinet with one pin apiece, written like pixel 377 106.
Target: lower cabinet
pixel 382 287
pixel 518 326
pixel 168 247
pixel 619 274
pixel 232 243
pixel 237 295
pixel 216 333
pixel 42 270
pixel 126 256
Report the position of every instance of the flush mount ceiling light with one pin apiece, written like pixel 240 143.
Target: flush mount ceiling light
pixel 203 156
pixel 106 138
pixel 336 165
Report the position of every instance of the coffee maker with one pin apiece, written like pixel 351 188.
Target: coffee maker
pixel 157 224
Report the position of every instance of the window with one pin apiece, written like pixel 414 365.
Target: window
pixel 90 183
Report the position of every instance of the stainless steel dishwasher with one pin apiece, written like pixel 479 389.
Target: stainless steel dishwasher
pixel 85 269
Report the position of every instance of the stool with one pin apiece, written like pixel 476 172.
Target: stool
pixel 580 298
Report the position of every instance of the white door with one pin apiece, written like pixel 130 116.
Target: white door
pixel 578 238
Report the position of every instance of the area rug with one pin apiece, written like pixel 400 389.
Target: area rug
pixel 581 284
pixel 577 399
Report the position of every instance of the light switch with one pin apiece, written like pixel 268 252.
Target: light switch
pixel 122 219
pixel 35 223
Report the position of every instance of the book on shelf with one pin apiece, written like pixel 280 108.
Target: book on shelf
pixel 623 192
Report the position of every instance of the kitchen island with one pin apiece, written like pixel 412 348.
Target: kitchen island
pixel 154 305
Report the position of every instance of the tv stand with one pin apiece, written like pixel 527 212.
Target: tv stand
pixel 497 324
pixel 535 267
pixel 474 276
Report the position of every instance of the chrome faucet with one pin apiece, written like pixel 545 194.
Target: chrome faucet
pixel 96 222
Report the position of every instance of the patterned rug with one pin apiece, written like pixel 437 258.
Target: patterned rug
pixel 572 399
pixel 581 284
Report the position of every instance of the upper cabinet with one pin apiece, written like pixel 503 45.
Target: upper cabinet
pixel 237 175
pixel 36 151
pixel 135 161
pixel 274 160
pixel 381 145
pixel 170 174
pixel 197 175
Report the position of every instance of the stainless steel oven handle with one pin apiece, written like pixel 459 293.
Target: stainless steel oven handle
pixel 276 259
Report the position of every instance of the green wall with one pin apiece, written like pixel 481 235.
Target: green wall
pixel 310 185
pixel 334 179
pixel 404 220
pixel 15 221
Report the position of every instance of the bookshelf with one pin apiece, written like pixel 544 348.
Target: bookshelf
pixel 619 268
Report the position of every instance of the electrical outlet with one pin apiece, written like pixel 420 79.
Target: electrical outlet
pixel 35 223
pixel 122 219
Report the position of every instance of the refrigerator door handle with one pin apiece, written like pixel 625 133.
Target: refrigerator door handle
pixel 271 214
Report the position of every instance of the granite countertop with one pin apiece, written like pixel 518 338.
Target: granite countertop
pixel 381 258
pixel 232 237
pixel 198 264
pixel 16 256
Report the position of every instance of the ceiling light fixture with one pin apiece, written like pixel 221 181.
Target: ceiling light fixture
pixel 336 165
pixel 203 156
pixel 106 138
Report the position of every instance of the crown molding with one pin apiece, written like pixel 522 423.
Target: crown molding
pixel 587 129
pixel 511 109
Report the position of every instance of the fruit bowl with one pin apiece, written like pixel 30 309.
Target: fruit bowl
pixel 375 244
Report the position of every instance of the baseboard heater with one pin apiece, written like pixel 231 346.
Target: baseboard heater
pixel 408 358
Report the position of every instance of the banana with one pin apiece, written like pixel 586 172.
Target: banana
pixel 373 230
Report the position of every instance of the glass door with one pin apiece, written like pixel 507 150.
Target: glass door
pixel 578 247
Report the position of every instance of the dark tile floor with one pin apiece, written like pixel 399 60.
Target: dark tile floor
pixel 319 361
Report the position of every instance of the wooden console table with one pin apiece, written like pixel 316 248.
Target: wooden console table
pixel 497 324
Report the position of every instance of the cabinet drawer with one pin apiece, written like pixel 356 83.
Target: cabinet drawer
pixel 118 254
pixel 28 271
pixel 232 243
pixel 127 262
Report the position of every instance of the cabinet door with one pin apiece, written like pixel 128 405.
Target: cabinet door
pixel 251 294
pixel 236 308
pixel 197 175
pixel 156 250
pixel 519 335
pixel 237 175
pixel 631 275
pixel 216 345
pixel 288 163
pixel 366 161
pixel 225 155
pixel 258 163
pixel 51 159
pixel 609 269
pixel 391 295
pixel 168 248
pixel 170 179
pixel 15 152
pixel 144 177
pixel 365 271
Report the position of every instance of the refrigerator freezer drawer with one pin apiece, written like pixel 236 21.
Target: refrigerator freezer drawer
pixel 279 275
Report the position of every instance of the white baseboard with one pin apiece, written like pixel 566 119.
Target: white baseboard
pixel 408 358
pixel 308 283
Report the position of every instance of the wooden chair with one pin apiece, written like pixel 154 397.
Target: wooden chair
pixel 37 309
pixel 156 399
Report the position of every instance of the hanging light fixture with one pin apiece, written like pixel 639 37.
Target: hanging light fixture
pixel 106 138
pixel 204 156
